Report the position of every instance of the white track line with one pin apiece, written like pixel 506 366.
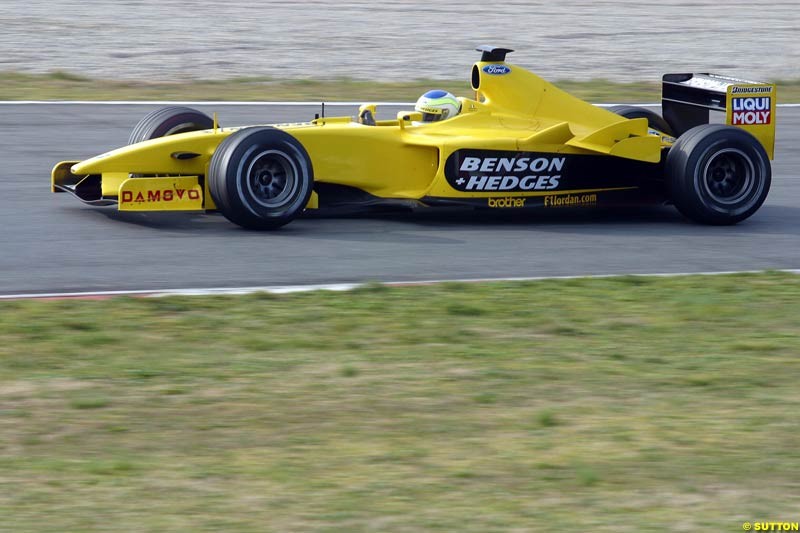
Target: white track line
pixel 265 104
pixel 339 287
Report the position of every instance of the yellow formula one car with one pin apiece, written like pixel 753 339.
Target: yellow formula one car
pixel 520 143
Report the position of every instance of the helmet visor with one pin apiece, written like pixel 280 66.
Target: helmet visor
pixel 431 117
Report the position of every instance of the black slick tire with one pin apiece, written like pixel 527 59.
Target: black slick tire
pixel 654 120
pixel 718 174
pixel 169 121
pixel 260 178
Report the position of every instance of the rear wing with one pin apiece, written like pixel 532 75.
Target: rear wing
pixel 686 100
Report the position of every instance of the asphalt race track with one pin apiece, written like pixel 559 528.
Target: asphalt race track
pixel 53 243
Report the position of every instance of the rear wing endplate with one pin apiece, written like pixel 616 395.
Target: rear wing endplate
pixel 686 100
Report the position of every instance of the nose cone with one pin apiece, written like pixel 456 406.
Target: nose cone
pixel 91 166
pixel 179 154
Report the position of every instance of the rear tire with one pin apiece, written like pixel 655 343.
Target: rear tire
pixel 169 121
pixel 654 120
pixel 718 174
pixel 260 178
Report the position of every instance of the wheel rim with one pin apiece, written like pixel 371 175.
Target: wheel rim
pixel 729 176
pixel 272 178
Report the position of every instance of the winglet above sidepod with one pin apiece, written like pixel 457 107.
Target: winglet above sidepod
pixel 626 138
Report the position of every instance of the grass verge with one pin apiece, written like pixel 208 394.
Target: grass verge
pixel 622 404
pixel 67 86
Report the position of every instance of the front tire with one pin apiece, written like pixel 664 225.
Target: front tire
pixel 718 174
pixel 169 121
pixel 260 178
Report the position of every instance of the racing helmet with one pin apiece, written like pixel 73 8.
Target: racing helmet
pixel 437 105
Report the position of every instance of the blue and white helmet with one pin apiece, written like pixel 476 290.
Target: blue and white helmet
pixel 437 105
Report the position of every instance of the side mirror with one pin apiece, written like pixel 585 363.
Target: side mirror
pixel 406 117
pixel 367 113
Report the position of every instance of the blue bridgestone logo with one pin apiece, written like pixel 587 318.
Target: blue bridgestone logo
pixel 496 70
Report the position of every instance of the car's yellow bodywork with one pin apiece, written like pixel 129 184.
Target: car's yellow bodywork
pixel 513 111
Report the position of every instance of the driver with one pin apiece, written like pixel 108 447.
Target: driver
pixel 437 105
